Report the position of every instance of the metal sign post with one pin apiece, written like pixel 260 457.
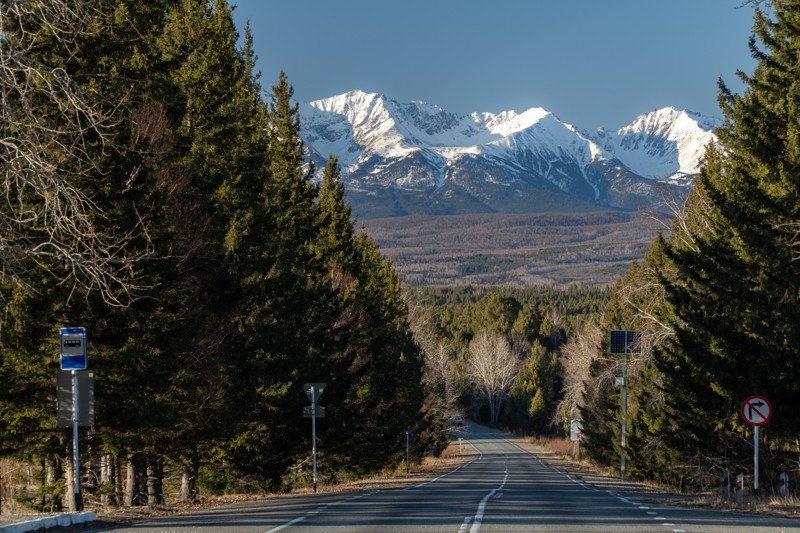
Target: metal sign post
pixel 313 391
pixel 76 462
pixel 314 432
pixel 756 411
pixel 73 357
pixel 740 488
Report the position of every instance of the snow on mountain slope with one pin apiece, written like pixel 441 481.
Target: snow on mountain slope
pixel 386 146
pixel 666 144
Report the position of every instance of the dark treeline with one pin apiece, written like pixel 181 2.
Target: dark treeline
pixel 243 276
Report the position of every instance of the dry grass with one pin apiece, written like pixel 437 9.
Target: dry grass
pixel 786 507
pixel 564 451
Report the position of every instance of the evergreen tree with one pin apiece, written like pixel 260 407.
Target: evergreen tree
pixel 287 307
pixel 252 281
pixel 532 398
pixel 384 393
pixel 729 315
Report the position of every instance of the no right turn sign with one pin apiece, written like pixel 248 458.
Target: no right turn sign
pixel 756 410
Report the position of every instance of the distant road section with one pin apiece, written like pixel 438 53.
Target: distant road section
pixel 508 489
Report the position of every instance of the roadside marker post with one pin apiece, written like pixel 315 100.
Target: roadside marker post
pixel 408 436
pixel 726 485
pixel 740 488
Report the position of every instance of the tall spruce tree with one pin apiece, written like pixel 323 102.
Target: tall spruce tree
pixel 287 306
pixel 731 275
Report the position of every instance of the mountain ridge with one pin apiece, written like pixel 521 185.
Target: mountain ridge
pixel 417 158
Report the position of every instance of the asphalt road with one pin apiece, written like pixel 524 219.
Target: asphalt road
pixel 507 489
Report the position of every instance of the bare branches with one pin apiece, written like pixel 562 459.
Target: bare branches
pixel 577 356
pixel 51 134
pixel 492 368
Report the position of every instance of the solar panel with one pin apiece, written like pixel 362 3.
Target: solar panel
pixel 625 341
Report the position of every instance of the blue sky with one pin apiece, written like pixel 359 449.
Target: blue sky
pixel 593 63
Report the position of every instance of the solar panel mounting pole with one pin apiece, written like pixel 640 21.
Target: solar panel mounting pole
pixel 624 428
pixel 624 342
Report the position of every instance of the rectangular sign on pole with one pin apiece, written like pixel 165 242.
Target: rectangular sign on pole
pixel 85 398
pixel 308 412
pixel 576 430
pixel 73 348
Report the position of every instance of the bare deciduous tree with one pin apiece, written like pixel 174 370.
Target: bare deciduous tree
pixel 577 356
pixel 440 374
pixel 47 221
pixel 492 368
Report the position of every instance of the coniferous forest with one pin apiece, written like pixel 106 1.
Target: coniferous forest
pixel 718 300
pixel 154 196
pixel 157 194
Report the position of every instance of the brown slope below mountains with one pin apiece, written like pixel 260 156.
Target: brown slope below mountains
pixel 515 249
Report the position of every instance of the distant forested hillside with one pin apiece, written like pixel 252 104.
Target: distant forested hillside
pixel 516 249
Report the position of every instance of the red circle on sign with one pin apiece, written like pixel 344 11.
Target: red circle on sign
pixel 756 410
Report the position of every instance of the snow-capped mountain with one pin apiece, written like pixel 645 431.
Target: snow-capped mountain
pixel 416 158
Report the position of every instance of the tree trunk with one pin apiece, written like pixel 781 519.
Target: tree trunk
pixel 131 496
pixel 69 476
pixel 119 490
pixel 52 475
pixel 189 480
pixel 108 480
pixel 155 478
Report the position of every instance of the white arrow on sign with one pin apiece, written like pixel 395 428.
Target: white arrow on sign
pixel 756 410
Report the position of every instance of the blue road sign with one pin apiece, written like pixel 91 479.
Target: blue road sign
pixel 73 349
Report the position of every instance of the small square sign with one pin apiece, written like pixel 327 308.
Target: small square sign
pixel 73 349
